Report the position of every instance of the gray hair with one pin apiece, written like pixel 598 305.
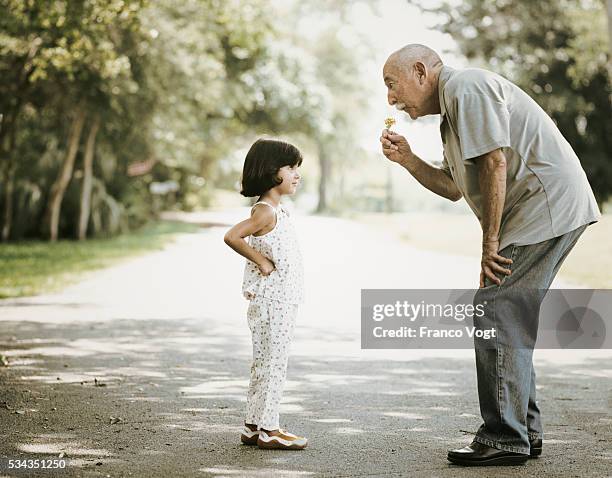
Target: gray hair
pixel 410 54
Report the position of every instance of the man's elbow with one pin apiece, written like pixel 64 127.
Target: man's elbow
pixel 493 160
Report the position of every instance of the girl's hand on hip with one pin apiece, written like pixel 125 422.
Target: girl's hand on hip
pixel 266 267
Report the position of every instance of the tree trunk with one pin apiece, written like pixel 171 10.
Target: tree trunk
pixel 9 180
pixel 8 131
pixel 90 148
pixel 324 167
pixel 9 188
pixel 61 183
pixel 609 5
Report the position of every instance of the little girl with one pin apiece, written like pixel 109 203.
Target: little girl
pixel 273 282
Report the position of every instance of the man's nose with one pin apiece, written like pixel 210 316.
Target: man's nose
pixel 391 99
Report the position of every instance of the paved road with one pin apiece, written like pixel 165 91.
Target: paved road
pixel 141 370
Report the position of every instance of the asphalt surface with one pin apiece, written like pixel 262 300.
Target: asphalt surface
pixel 142 369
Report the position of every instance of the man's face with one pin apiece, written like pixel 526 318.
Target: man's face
pixel 406 89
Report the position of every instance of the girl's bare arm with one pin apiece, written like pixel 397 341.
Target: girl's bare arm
pixel 261 218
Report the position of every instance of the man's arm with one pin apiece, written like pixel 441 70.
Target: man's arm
pixel 492 182
pixel 433 178
pixel 396 148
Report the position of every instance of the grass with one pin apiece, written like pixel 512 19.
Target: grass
pixel 35 267
pixel 589 264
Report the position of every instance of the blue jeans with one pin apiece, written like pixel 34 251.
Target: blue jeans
pixel 504 366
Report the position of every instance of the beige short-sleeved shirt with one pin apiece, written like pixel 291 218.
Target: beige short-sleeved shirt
pixel 547 191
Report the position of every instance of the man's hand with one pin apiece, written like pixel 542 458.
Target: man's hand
pixel 395 147
pixel 491 263
pixel 266 266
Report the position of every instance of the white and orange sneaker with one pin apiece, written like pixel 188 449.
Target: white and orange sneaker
pixel 281 441
pixel 248 436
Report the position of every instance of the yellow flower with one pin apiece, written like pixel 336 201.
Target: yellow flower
pixel 389 122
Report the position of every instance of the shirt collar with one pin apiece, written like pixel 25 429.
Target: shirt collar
pixel 445 74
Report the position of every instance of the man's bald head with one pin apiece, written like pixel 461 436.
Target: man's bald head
pixel 410 54
pixel 411 75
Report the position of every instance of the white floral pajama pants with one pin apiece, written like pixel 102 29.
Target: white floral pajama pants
pixel 271 323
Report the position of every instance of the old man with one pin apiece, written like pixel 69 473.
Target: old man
pixel 505 156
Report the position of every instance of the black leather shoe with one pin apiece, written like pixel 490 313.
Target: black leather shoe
pixel 477 454
pixel 535 448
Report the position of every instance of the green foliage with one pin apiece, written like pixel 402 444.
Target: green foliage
pixel 558 52
pixel 182 82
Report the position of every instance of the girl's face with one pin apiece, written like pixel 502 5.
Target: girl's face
pixel 291 178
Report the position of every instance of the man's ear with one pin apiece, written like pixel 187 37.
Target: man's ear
pixel 421 72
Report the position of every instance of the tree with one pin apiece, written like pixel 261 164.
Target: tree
pixel 67 54
pixel 226 76
pixel 180 84
pixel 335 77
pixel 558 52
pixel 58 188
pixel 88 159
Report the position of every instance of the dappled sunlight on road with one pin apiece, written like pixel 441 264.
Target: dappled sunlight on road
pixel 68 448
pixel 405 415
pixel 136 365
pixel 255 472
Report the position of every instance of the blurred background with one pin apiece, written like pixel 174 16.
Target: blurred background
pixel 114 111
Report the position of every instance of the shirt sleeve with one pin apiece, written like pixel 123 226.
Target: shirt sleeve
pixel 483 124
pixel 445 167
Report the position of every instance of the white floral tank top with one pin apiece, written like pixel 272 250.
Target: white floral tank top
pixel 280 245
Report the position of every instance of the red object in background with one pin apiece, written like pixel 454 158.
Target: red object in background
pixel 141 167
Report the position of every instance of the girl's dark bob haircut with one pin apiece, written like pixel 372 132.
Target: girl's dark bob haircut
pixel 262 163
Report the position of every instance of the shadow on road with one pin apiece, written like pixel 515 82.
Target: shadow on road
pixel 165 398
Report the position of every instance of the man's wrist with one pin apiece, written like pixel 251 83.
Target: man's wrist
pixel 490 242
pixel 407 160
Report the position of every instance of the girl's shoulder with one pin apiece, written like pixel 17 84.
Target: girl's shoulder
pixel 262 207
pixel 265 217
